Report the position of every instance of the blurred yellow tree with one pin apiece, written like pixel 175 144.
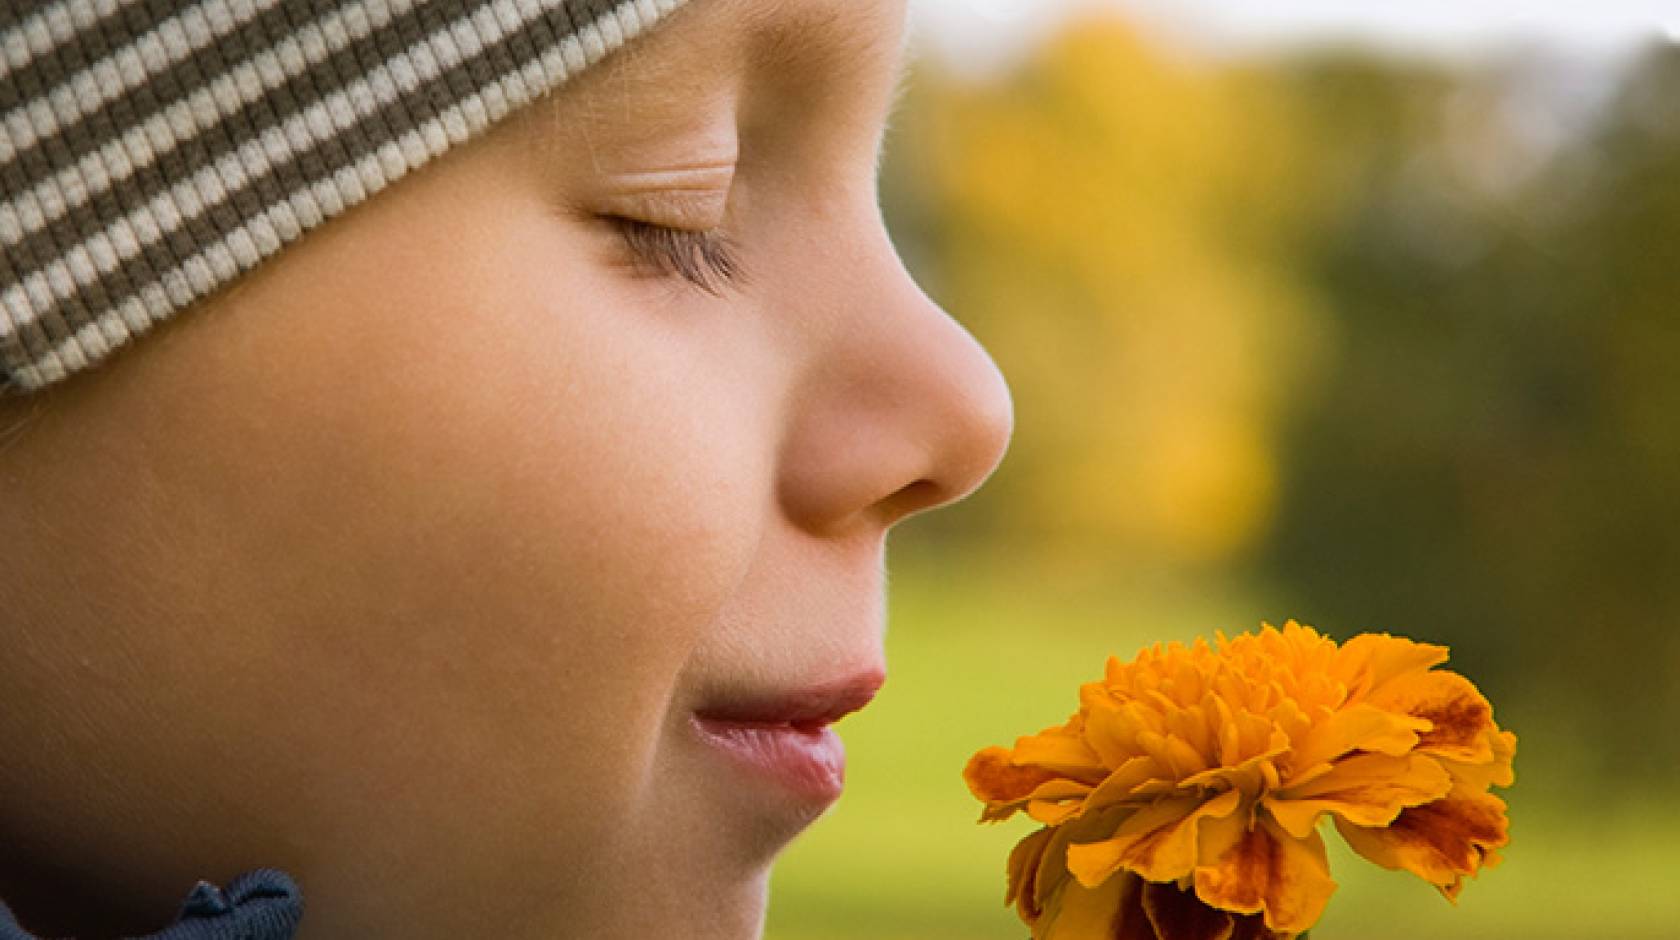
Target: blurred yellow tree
pixel 1112 224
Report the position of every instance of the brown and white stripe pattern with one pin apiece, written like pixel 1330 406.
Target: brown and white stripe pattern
pixel 153 150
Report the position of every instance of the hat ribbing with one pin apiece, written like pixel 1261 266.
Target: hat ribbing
pixel 153 150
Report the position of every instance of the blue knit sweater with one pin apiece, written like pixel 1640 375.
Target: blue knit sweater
pixel 259 905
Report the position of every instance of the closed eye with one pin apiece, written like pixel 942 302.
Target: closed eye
pixel 707 259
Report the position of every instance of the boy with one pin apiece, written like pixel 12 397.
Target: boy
pixel 492 558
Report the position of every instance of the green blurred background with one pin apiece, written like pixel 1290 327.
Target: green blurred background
pixel 1374 340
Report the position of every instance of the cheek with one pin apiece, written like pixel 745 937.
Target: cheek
pixel 485 515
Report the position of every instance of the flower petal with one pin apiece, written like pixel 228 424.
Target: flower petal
pixel 1370 661
pixel 1369 790
pixel 1024 861
pixel 1495 773
pixel 1124 782
pixel 1362 727
pixel 1093 863
pixel 1158 841
pixel 1112 726
pixel 993 777
pixel 1061 751
pixel 1052 803
pixel 1172 752
pixel 1440 842
pixel 1053 872
pixel 1180 915
pixel 1460 717
pixel 1244 736
pixel 1080 913
pixel 1269 872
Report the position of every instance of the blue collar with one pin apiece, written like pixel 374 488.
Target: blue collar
pixel 263 904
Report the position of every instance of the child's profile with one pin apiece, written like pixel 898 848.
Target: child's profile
pixel 491 557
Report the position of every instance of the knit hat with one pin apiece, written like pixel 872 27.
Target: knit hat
pixel 151 151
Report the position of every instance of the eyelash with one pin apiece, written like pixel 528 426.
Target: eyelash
pixel 707 259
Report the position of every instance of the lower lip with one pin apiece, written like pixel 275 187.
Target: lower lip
pixel 809 762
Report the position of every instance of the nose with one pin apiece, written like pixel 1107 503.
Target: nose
pixel 900 411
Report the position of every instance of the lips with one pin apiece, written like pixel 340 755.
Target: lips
pixel 785 736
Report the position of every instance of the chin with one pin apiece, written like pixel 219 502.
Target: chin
pixel 687 865
pixel 684 908
pixel 738 916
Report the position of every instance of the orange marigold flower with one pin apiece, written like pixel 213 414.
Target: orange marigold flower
pixel 1183 800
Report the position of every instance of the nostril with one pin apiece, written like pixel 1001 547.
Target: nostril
pixel 913 498
pixel 918 497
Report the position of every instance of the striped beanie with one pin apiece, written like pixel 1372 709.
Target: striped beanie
pixel 153 150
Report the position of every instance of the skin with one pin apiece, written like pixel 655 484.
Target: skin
pixel 404 565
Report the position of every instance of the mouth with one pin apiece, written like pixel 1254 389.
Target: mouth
pixel 786 738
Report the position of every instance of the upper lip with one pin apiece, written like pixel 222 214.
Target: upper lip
pixel 808 708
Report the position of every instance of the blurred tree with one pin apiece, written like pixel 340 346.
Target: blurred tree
pixel 1110 223
pixel 1493 462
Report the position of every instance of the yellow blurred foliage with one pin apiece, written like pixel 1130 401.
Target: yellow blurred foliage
pixel 1111 224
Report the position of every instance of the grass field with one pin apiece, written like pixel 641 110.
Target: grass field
pixel 981 656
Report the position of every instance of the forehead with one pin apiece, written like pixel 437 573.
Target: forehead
pixel 707 48
pixel 677 93
pixel 822 36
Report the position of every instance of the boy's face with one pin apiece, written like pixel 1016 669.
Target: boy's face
pixel 407 566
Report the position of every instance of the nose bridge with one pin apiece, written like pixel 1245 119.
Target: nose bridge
pixel 901 411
